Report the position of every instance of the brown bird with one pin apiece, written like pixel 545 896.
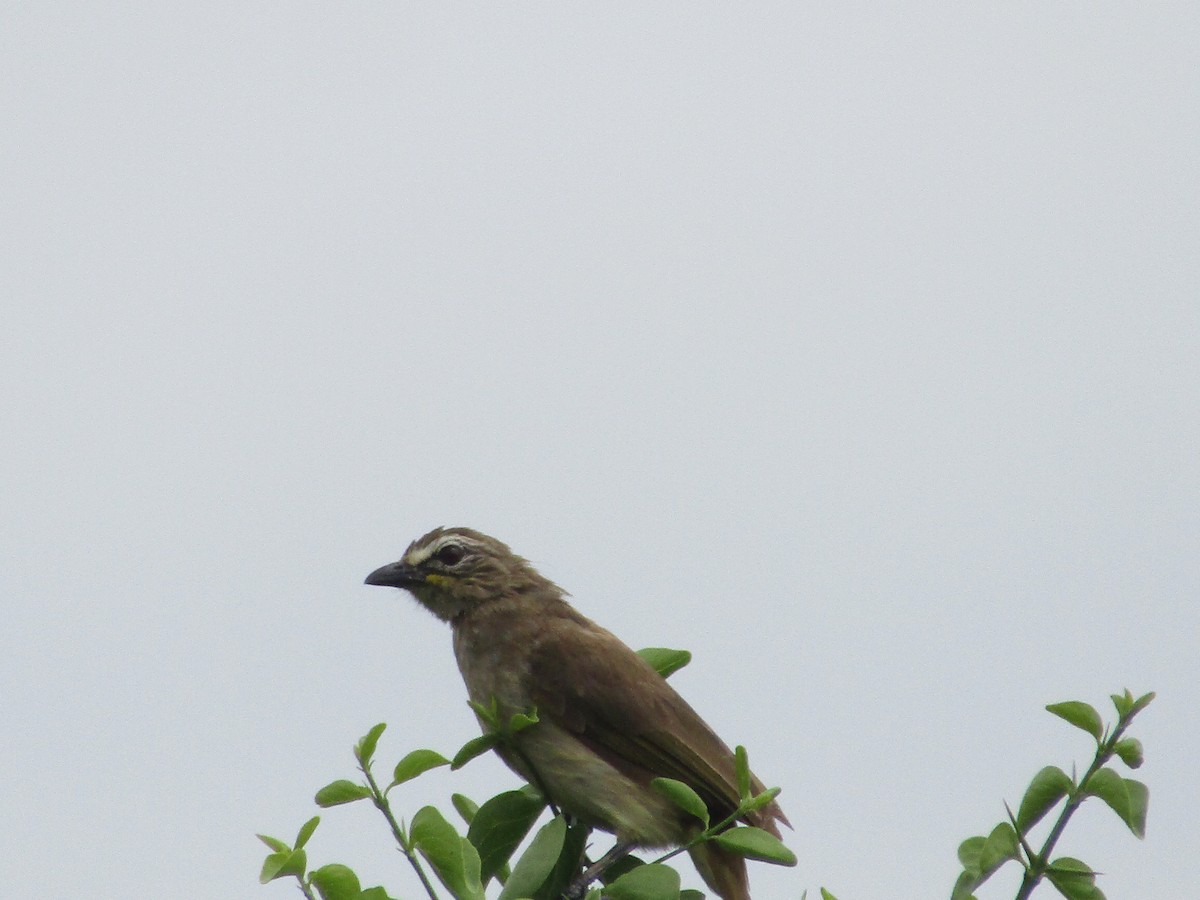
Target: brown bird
pixel 608 722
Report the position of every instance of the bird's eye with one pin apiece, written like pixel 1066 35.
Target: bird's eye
pixel 450 555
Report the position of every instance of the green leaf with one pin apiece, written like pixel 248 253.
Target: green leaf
pixel 741 768
pixel 754 843
pixel 341 791
pixel 274 843
pixel 489 715
pixel 969 851
pixel 336 882
pixel 537 862
pixel 1141 703
pixel 690 894
pixel 1000 846
pixel 499 826
pixel 1049 786
pixel 665 661
pixel 1139 801
pixel 453 858
pixel 465 807
pixel 1110 787
pixel 416 763
pixel 825 895
pixel 1067 865
pixel 1123 703
pixel 758 802
pixel 473 748
pixel 374 893
pixel 306 831
pixel 283 863
pixel 1130 751
pixel 566 867
pixel 531 790
pixel 650 882
pixel 1074 879
pixel 683 797
pixel 1126 797
pixel 625 864
pixel 364 750
pixel 1081 715
pixel 522 720
pixel 965 886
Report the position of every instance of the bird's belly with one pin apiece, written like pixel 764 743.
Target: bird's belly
pixel 590 789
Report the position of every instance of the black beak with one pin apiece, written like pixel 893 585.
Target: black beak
pixel 397 574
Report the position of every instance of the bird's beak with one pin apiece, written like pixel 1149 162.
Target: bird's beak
pixel 397 574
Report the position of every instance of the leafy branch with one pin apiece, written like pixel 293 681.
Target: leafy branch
pixel 745 840
pixel 982 856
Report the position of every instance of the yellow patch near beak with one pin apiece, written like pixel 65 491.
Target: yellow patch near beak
pixel 437 580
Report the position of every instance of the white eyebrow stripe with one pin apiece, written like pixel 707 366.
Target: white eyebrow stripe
pixel 419 555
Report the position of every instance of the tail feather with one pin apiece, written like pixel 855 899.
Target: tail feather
pixel 722 871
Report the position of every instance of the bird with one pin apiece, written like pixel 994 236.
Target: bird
pixel 608 723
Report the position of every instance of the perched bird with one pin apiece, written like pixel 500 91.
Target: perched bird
pixel 608 723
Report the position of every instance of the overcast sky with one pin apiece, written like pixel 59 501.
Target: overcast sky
pixel 857 351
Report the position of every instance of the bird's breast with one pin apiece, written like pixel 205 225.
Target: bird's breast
pixel 495 668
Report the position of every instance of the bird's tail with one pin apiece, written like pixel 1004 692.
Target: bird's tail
pixel 722 871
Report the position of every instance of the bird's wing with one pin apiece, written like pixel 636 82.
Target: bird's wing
pixel 589 683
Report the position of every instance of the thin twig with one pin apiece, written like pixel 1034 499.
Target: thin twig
pixel 304 888
pixel 1040 863
pixel 381 804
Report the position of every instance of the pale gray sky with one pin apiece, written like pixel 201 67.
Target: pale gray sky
pixel 855 350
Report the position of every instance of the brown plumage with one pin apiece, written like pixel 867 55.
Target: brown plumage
pixel 608 723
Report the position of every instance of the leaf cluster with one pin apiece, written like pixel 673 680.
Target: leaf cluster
pixel 1008 841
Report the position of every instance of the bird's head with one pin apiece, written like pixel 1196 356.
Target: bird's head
pixel 454 570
